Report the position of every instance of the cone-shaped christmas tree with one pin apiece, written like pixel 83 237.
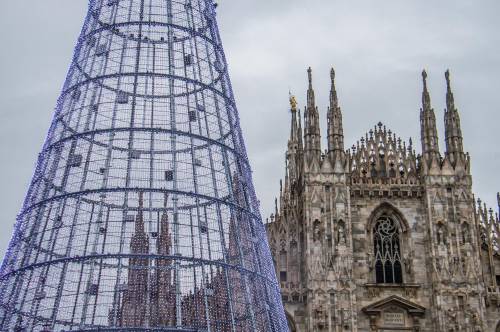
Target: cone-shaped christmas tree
pixel 141 214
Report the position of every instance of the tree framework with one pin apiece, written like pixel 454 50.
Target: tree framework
pixel 141 214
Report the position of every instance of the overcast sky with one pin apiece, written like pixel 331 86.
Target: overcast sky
pixel 378 49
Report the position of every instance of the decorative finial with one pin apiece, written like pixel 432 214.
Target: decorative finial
pixel 310 92
pixel 424 80
pixel 447 76
pixel 450 100
pixel 334 103
pixel 426 99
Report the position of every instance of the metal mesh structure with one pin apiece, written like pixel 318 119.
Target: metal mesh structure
pixel 141 215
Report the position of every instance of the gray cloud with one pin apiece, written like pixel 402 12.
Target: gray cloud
pixel 377 48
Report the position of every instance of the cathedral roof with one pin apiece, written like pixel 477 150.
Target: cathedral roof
pixel 382 154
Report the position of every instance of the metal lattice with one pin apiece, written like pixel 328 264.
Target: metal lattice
pixel 141 214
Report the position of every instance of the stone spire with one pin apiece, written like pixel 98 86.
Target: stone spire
pixel 453 132
pixel 312 135
pixel 294 141
pixel 294 127
pixel 311 100
pixel 498 201
pixel 429 137
pixel 335 129
pixel 139 223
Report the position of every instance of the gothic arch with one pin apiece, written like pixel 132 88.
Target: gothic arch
pixel 291 323
pixel 387 208
pixel 388 234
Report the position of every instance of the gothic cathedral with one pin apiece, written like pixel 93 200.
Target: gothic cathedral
pixel 380 238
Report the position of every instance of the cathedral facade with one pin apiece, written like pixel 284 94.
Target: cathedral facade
pixel 378 237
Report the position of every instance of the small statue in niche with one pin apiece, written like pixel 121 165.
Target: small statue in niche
pixel 341 233
pixel 476 322
pixel 408 261
pixel 369 261
pixel 441 235
pixel 451 320
pixel 316 230
pixel 465 233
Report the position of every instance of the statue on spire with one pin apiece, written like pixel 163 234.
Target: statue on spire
pixel 293 103
pixel 333 92
pixel 310 92
pixel 450 100
pixel 426 99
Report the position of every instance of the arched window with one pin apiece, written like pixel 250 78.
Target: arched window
pixel 387 249
pixel 283 266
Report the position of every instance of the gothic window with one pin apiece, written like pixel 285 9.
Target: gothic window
pixel 283 260
pixel 386 241
pixel 283 266
pixel 293 264
pixel 293 250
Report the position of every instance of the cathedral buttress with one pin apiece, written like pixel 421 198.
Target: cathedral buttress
pixel 450 208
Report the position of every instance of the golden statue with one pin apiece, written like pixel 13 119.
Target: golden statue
pixel 293 102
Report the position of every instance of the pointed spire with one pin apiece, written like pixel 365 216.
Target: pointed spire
pixel 450 101
pixel 312 135
pixel 141 200
pixel 139 224
pixel 334 103
pixel 335 129
pixel 453 131
pixel 287 181
pixel 426 99
pixel 276 212
pixel 311 103
pixel 300 131
pixel 428 130
pixel 293 108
